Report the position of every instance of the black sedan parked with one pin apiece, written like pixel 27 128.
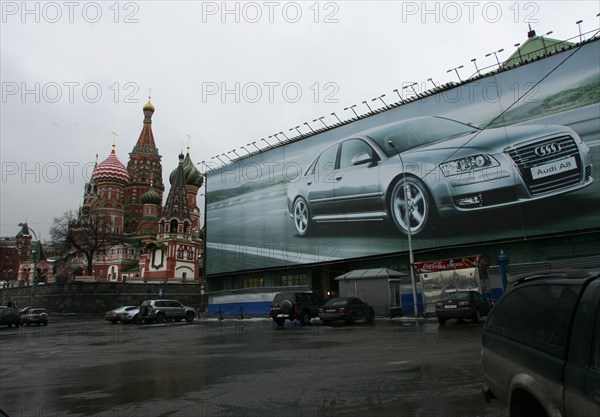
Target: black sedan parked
pixel 462 304
pixel 348 309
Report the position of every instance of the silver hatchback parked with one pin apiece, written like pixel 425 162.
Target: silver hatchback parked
pixel 161 311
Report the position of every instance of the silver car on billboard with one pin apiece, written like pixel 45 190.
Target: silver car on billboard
pixel 414 171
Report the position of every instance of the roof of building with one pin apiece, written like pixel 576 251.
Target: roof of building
pixel 38 252
pixel 111 170
pixel 535 47
pixel 192 175
pixel 145 143
pixel 370 274
pixel 151 196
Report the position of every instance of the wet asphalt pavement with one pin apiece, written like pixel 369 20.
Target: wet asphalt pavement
pixel 238 368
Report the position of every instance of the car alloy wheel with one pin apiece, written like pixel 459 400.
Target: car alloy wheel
pixel 161 318
pixel 409 193
pixel 301 217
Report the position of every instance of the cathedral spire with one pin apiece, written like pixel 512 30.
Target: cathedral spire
pixel 146 142
pixel 144 164
pixel 177 201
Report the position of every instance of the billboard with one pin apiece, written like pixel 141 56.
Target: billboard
pixel 506 156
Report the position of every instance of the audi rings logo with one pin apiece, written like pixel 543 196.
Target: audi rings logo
pixel 546 150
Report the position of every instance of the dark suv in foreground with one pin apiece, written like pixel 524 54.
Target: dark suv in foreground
pixel 541 345
pixel 302 306
pixel 162 310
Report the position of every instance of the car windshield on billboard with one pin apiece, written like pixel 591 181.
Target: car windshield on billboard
pixel 505 156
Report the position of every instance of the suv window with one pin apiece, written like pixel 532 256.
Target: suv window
pixel 283 296
pixel 459 295
pixel 537 316
pixel 303 298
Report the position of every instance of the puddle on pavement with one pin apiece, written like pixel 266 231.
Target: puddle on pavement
pixel 139 381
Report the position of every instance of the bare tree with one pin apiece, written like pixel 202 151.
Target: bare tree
pixel 75 234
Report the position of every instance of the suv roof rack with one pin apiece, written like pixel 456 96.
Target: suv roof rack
pixel 553 273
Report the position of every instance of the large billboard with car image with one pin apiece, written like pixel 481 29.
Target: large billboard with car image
pixel 504 156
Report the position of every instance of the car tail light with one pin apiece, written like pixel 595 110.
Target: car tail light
pixel 439 305
pixel 463 303
pixel 343 310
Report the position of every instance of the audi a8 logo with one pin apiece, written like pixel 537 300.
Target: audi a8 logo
pixel 546 150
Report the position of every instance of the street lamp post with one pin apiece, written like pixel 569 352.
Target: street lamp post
pixel 495 53
pixel 411 257
pixel 456 71
pixel 34 258
pixel 34 255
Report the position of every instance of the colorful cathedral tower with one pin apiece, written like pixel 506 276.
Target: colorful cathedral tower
pixel 111 178
pixel 177 248
pixel 144 168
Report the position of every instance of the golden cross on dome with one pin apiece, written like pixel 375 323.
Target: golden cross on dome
pixel 114 138
pixel 188 147
pixel 149 93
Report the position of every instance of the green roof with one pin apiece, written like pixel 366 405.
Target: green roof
pixel 534 48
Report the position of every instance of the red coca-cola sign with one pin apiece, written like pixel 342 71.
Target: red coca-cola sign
pixel 451 264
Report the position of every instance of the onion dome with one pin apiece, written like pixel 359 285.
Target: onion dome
pixel 111 170
pixel 191 174
pixel 151 197
pixel 148 110
pixel 148 106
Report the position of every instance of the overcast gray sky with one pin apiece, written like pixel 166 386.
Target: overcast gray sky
pixel 223 73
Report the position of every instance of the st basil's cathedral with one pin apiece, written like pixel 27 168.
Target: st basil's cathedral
pixel 158 242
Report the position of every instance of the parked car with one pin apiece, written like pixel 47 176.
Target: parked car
pixel 35 316
pixel 348 309
pixel 161 311
pixel 9 316
pixel 131 316
pixel 447 166
pixel 462 304
pixel 24 310
pixel 290 305
pixel 541 345
pixel 125 314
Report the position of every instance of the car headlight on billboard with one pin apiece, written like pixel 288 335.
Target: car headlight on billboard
pixel 468 164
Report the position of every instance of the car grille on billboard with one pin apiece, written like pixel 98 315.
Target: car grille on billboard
pixel 526 158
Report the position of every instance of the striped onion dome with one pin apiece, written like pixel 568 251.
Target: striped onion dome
pixel 151 197
pixel 111 170
pixel 191 174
